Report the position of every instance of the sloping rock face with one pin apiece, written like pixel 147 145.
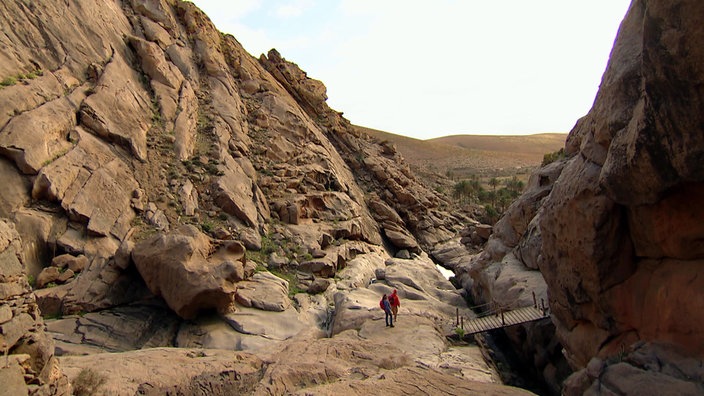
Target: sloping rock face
pixel 160 121
pixel 174 191
pixel 618 236
pixel 410 215
pixel 29 366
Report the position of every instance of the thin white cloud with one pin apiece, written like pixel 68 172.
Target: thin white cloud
pixel 228 10
pixel 293 9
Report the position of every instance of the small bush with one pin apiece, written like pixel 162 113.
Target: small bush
pixel 88 382
pixel 8 81
pixel 552 157
pixel 207 226
pixel 292 280
pixel 491 214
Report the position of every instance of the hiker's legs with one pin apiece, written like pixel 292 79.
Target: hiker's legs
pixel 395 311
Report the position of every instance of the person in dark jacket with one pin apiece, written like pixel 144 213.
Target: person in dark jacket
pixel 386 306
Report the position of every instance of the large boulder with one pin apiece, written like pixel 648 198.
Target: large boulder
pixel 181 268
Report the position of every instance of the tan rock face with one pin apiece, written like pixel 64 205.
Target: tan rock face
pixel 616 229
pixel 623 211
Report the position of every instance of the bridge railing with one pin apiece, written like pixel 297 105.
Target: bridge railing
pixel 493 308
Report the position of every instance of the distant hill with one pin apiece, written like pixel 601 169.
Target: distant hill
pixel 474 154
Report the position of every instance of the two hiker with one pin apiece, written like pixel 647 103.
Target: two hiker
pixel 390 306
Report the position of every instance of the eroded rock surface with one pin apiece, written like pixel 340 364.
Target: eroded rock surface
pixel 615 228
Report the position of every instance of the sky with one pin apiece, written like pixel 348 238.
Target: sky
pixel 427 69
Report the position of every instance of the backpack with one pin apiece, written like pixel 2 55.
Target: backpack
pixel 381 304
pixel 392 300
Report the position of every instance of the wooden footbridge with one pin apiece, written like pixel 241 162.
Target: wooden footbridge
pixel 497 317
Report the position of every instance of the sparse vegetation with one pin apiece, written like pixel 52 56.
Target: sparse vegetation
pixel 87 382
pixel 52 316
pixel 56 156
pixel 156 114
pixel 292 280
pixel 144 230
pixel 12 80
pixel 260 268
pixel 494 201
pixel 8 81
pixel 552 157
pixel 207 226
pixel 261 256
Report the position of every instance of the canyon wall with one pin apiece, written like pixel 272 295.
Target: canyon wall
pixel 615 227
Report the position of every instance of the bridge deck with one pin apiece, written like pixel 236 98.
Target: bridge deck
pixel 510 318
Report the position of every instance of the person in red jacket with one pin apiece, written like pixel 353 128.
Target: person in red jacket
pixel 395 303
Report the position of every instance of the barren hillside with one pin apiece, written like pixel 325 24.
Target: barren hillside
pixel 474 154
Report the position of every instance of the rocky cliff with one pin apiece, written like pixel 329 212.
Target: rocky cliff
pixel 171 190
pixel 28 363
pixel 615 228
pixel 157 120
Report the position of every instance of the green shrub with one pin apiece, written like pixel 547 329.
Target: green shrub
pixel 207 226
pixel 8 81
pixel 492 215
pixel 293 288
pixel 552 157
